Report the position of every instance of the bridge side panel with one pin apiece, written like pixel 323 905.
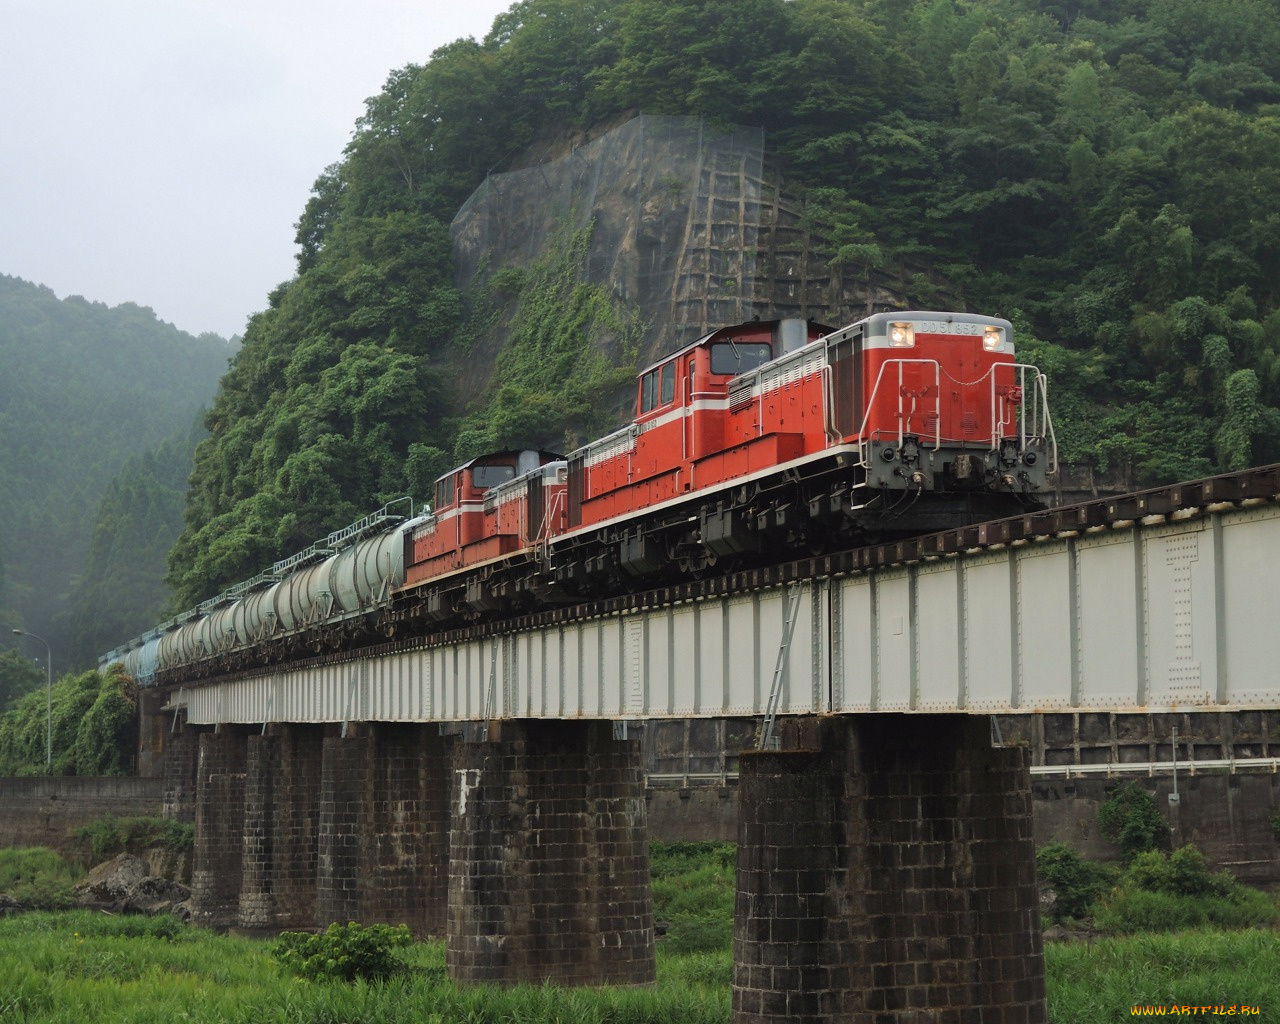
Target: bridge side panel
pixel 940 661
pixel 1110 617
pixel 711 680
pixel 892 659
pixel 687 696
pixel 743 620
pixel 1251 640
pixel 1181 612
pixel 855 690
pixel 1046 638
pixel 989 615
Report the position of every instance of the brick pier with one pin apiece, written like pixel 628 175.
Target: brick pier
pixel 887 876
pixel 277 888
pixel 384 825
pixel 548 858
pixel 220 803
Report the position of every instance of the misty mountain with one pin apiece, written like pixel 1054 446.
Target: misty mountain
pixel 86 390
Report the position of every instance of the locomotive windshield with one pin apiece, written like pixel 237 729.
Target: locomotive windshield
pixel 735 358
pixel 491 476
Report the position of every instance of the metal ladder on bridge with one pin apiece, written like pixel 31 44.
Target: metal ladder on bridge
pixel 768 740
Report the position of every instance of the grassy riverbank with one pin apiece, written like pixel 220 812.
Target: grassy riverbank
pixel 72 967
pixel 67 968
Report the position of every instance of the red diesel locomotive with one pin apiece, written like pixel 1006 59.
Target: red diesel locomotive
pixel 761 437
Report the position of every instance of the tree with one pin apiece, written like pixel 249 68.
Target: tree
pixel 18 676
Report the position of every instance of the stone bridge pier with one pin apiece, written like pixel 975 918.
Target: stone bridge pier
pixel 886 872
pixel 527 850
pixel 549 858
pixel 886 875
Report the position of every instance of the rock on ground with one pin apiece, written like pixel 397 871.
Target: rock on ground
pixel 125 886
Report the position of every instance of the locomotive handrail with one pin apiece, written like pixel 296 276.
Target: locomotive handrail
pixel 1037 409
pixel 543 546
pixel 1041 423
pixel 875 390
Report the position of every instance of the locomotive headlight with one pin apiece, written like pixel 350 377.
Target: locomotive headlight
pixel 902 335
pixel 992 339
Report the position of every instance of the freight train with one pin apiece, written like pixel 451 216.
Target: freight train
pixel 753 443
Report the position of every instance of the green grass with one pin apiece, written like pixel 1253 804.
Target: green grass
pixel 79 966
pixel 1099 982
pixel 693 891
pixel 76 966
pixel 37 877
pixel 59 968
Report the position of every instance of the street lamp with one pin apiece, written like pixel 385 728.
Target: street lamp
pixel 48 672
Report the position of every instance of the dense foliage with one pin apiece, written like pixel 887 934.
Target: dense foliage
pixel 18 675
pixel 1170 892
pixel 84 389
pixel 1077 884
pixel 1104 173
pixel 94 727
pixel 110 836
pixel 121 589
pixel 1154 892
pixel 1129 818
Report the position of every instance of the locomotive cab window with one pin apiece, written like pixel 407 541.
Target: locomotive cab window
pixel 485 477
pixel 444 492
pixel 738 357
pixel 658 387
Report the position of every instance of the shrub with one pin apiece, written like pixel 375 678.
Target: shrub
pixel 111 835
pixel 343 952
pixel 1077 882
pixel 1166 893
pixel 1129 818
pixel 1185 873
pixel 94 727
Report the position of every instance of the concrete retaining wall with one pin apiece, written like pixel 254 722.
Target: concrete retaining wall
pixel 46 811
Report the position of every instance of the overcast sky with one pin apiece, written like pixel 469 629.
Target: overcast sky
pixel 161 151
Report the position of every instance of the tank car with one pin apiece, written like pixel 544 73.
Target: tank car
pixel 338 585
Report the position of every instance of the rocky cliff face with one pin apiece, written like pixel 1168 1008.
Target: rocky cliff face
pixel 690 227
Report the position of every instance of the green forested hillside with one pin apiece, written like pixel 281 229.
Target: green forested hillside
pixel 120 589
pixel 83 390
pixel 1103 172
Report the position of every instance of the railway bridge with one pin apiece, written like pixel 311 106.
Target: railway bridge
pixel 486 784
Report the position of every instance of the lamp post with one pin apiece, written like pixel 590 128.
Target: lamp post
pixel 48 672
